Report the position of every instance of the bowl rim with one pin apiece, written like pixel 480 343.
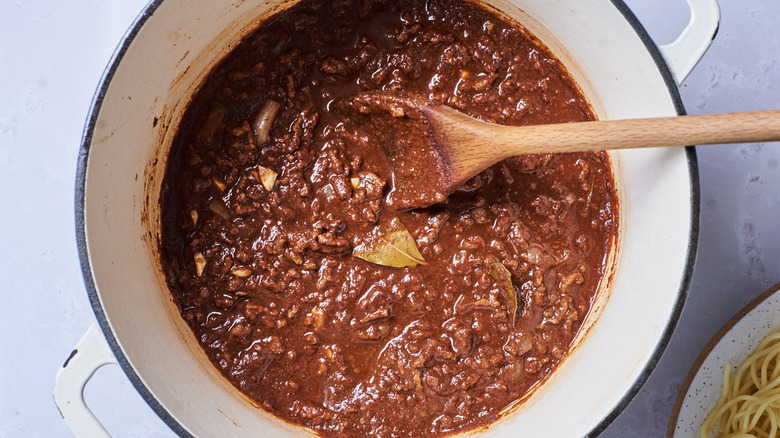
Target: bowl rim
pixel 723 333
pixel 162 412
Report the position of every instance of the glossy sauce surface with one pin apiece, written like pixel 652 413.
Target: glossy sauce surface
pixel 266 274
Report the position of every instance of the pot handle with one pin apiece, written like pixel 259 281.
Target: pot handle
pixel 91 353
pixel 685 52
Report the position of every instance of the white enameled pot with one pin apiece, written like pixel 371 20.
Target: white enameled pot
pixel 162 62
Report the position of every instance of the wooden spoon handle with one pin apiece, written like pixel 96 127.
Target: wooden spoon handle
pixel 755 126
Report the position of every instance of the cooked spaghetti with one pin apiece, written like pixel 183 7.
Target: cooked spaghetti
pixel 749 404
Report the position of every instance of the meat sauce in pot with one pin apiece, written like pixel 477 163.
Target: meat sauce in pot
pixel 332 309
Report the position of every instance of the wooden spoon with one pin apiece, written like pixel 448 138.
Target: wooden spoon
pixel 460 146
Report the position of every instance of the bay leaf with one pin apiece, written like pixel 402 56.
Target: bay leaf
pixel 504 279
pixel 390 245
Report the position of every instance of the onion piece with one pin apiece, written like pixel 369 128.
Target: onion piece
pixel 264 120
pixel 213 122
pixel 221 210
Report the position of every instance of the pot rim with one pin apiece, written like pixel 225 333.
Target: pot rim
pixel 162 412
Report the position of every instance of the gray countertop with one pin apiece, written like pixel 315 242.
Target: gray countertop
pixel 52 54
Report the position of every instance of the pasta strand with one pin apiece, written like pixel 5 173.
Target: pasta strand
pixel 749 402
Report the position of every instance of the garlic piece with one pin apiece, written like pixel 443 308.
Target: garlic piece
pixel 220 185
pixel 241 272
pixel 267 177
pixel 200 263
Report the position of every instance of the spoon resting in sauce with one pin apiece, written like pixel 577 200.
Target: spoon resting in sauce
pixel 436 148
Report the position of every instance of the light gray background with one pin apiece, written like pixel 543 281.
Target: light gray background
pixel 52 55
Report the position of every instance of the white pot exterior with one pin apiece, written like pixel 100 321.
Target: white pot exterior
pixel 163 62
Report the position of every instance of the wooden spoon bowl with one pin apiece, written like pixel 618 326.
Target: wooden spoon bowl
pixel 439 148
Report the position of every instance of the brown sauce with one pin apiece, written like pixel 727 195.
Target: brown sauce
pixel 266 274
